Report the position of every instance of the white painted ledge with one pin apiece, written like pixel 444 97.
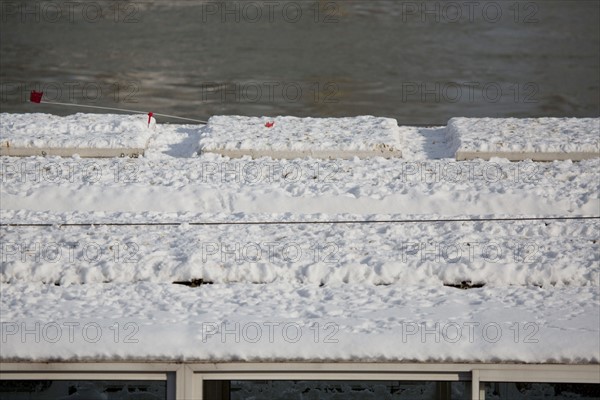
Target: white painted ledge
pixel 69 152
pixel 526 155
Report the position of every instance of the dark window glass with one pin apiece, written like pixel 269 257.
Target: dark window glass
pixel 334 390
pixel 519 390
pixel 82 390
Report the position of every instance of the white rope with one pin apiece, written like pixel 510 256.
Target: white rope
pixel 121 109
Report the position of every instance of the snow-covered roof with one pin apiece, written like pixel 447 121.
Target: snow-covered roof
pixel 363 259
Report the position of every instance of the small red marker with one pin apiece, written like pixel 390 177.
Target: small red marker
pixel 36 97
pixel 270 124
pixel 150 114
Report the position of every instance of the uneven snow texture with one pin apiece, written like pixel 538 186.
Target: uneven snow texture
pixel 355 291
pixel 211 184
pixel 85 131
pixel 241 322
pixel 557 135
pixel 365 133
pixel 543 253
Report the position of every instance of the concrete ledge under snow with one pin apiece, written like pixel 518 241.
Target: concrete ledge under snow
pixel 525 155
pixel 110 135
pixel 69 152
pixel 292 137
pixel 88 135
pixel 537 139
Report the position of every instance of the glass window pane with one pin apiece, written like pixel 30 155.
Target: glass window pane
pixel 83 390
pixel 335 390
pixel 520 390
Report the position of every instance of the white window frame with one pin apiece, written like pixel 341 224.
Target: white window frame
pixel 94 371
pixel 185 380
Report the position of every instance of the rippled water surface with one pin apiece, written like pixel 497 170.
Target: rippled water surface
pixel 419 62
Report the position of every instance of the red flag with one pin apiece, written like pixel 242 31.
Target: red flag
pixel 150 114
pixel 35 97
pixel 270 124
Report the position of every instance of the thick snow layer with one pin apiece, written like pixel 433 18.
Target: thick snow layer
pixel 289 322
pixel 373 135
pixel 502 135
pixel 211 184
pixel 543 253
pixel 79 131
pixel 382 284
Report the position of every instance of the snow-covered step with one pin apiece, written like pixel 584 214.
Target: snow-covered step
pixel 88 135
pixel 241 187
pixel 542 252
pixel 292 137
pixel 538 139
pixel 282 321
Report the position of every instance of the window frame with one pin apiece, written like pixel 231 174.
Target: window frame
pixel 185 380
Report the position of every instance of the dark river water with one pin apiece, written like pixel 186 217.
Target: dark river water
pixel 421 62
